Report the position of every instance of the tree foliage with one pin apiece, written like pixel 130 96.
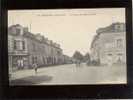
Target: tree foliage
pixel 87 57
pixel 78 56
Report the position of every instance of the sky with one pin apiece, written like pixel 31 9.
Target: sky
pixel 73 29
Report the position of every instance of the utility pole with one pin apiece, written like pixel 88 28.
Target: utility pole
pixel 113 19
pixel 30 26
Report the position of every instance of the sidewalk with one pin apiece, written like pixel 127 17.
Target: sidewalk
pixel 22 73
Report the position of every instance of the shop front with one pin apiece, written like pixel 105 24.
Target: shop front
pixel 19 62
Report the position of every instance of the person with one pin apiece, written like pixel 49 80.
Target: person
pixel 35 67
pixel 22 63
pixel 78 63
pixel 19 64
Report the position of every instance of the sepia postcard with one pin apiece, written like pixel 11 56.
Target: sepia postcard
pixel 67 46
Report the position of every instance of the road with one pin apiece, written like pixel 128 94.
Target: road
pixel 70 74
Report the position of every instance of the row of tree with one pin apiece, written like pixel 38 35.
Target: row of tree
pixel 85 58
pixel 79 56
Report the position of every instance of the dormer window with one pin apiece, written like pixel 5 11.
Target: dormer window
pixel 120 27
pixel 117 27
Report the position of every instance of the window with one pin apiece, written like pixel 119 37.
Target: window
pixel 34 47
pixel 18 31
pixel 19 45
pixel 43 59
pixel 15 45
pixel 108 45
pixel 117 27
pixel 33 60
pixel 23 44
pixel 58 52
pixel 119 43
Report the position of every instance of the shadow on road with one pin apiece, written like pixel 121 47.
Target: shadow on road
pixel 31 80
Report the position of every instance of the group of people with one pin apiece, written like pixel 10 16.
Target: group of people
pixel 35 65
pixel 20 64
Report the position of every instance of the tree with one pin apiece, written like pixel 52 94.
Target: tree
pixel 87 57
pixel 78 56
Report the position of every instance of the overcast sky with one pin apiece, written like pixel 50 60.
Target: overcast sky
pixel 73 29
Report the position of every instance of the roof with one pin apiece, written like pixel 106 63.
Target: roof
pixel 16 25
pixel 94 39
pixel 34 37
pixel 112 28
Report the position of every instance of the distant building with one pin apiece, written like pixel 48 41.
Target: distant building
pixel 109 45
pixel 26 48
pixel 67 59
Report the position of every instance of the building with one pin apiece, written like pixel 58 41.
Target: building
pixel 109 45
pixel 26 48
pixel 17 49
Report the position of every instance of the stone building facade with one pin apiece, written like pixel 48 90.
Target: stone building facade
pixel 26 48
pixel 109 45
pixel 17 49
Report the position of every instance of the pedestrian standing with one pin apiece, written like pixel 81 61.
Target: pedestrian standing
pixel 35 67
pixel 18 64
